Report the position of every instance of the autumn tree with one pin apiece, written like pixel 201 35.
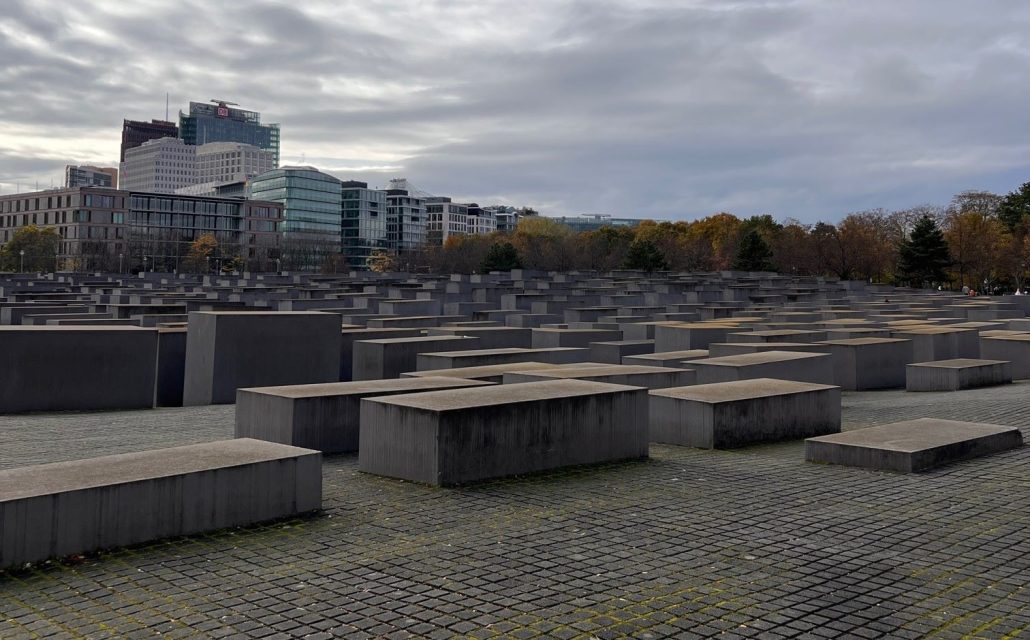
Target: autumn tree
pixel 543 244
pixel 39 244
pixel 644 255
pixel 201 249
pixel 379 261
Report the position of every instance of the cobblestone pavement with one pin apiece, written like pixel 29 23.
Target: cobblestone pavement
pixel 752 543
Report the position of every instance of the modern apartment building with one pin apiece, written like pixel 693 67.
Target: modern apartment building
pixel 445 219
pixel 222 122
pixel 136 132
pixel 405 216
pixel 159 166
pixel 363 225
pixel 104 229
pixel 312 204
pixel 481 221
pixel 90 176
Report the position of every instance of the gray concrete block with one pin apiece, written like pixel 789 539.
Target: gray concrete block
pixel 912 445
pixel 453 437
pixel 675 359
pixel 551 338
pixel 782 365
pixel 229 350
pixel 324 417
pixel 390 357
pixel 861 364
pixel 614 352
pixel 486 357
pixel 736 414
pixel 1015 349
pixel 54 510
pixel 56 368
pixel 171 366
pixel 954 375
pixel 629 375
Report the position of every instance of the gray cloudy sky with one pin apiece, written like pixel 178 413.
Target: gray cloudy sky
pixel 642 108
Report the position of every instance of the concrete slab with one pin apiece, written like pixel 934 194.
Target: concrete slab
pixel 957 374
pixel 912 445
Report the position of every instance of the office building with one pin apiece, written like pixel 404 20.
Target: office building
pixel 312 207
pixel 363 225
pixel 405 216
pixel 593 222
pixel 110 229
pixel 222 122
pixel 159 166
pixel 221 162
pixel 444 219
pixel 90 176
pixel 136 132
pixel 481 220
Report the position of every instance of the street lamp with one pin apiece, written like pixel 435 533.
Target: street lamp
pixel 208 258
pixel 22 254
pixel 57 260
pixel 121 256
pixel 144 264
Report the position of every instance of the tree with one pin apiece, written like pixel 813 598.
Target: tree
pixel 644 255
pixel 380 261
pixel 753 254
pixel 924 255
pixel 200 250
pixel 976 244
pixel 39 244
pixel 501 257
pixel 1014 210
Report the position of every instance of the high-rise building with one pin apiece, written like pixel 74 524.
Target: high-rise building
pixel 221 162
pixel 90 176
pixel 136 132
pixel 220 122
pixel 312 206
pixel 405 216
pixel 159 166
pixel 363 226
pixel 444 219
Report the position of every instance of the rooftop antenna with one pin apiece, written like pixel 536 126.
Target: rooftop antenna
pixel 166 106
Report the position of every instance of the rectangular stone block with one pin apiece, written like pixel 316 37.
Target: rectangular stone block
pixel 675 359
pixel 782 365
pixel 550 338
pixel 171 366
pixel 736 414
pixel 84 368
pixel 684 336
pixel 614 352
pixel 228 350
pixel 487 373
pixel 1015 349
pixel 861 364
pixel 954 375
pixel 630 375
pixel 453 437
pixel 486 357
pixel 324 417
pixel 55 510
pixel 390 357
pixel 912 445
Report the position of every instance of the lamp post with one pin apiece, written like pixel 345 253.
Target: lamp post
pixel 57 261
pixel 121 256
pixel 144 264
pixel 208 259
pixel 22 254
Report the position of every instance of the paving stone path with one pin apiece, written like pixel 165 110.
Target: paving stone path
pixel 752 543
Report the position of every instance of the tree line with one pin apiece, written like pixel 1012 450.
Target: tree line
pixel 980 240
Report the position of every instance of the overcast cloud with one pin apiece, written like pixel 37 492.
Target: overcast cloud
pixel 669 110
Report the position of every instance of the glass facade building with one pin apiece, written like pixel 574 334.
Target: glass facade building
pixel 312 204
pixel 221 123
pixel 363 226
pixel 405 220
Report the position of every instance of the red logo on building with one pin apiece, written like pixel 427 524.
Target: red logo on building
pixel 223 112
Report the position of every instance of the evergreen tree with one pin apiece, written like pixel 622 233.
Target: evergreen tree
pixel 1014 209
pixel 753 254
pixel 644 255
pixel 501 257
pixel 924 256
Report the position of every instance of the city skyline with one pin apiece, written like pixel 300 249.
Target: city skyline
pixel 645 109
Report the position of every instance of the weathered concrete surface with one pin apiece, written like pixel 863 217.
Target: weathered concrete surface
pixel 726 415
pixel 869 363
pixel 52 368
pixel 783 365
pixel 1015 349
pixel 486 373
pixel 324 417
pixel 675 359
pixel 83 505
pixel 228 350
pixel 913 445
pixel 171 366
pixel 613 352
pixel 487 357
pixel 390 357
pixel 630 375
pixel 452 437
pixel 961 373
